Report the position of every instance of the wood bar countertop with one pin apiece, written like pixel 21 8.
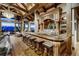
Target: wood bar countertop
pixel 61 38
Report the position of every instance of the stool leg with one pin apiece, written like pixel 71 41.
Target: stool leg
pixel 48 51
pixel 45 52
pixel 33 44
pixel 40 49
pixel 36 47
pixel 28 41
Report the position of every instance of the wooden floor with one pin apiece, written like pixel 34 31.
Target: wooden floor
pixel 19 48
pixel 77 49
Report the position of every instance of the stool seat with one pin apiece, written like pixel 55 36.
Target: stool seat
pixel 48 44
pixel 28 36
pixel 32 38
pixel 39 40
pixel 23 34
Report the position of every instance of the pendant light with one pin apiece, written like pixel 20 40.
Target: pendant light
pixel 8 13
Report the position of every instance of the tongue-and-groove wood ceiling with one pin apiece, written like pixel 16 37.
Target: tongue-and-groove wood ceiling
pixel 27 9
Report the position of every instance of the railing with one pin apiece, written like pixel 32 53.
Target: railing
pixel 5 44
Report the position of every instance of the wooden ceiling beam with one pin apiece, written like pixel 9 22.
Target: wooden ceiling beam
pixel 45 9
pixel 17 11
pixel 3 7
pixel 18 5
pixel 25 6
pixel 18 8
pixel 31 16
pixel 27 18
pixel 14 10
pixel 24 10
pixel 34 8
pixel 53 5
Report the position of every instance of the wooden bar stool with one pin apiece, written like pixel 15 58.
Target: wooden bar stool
pixel 27 39
pixel 31 40
pixel 24 38
pixel 48 48
pixel 34 44
pixel 39 42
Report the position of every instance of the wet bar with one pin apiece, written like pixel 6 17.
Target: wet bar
pixel 39 29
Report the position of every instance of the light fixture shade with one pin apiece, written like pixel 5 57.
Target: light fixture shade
pixel 8 14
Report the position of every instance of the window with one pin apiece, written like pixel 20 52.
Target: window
pixel 7 26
